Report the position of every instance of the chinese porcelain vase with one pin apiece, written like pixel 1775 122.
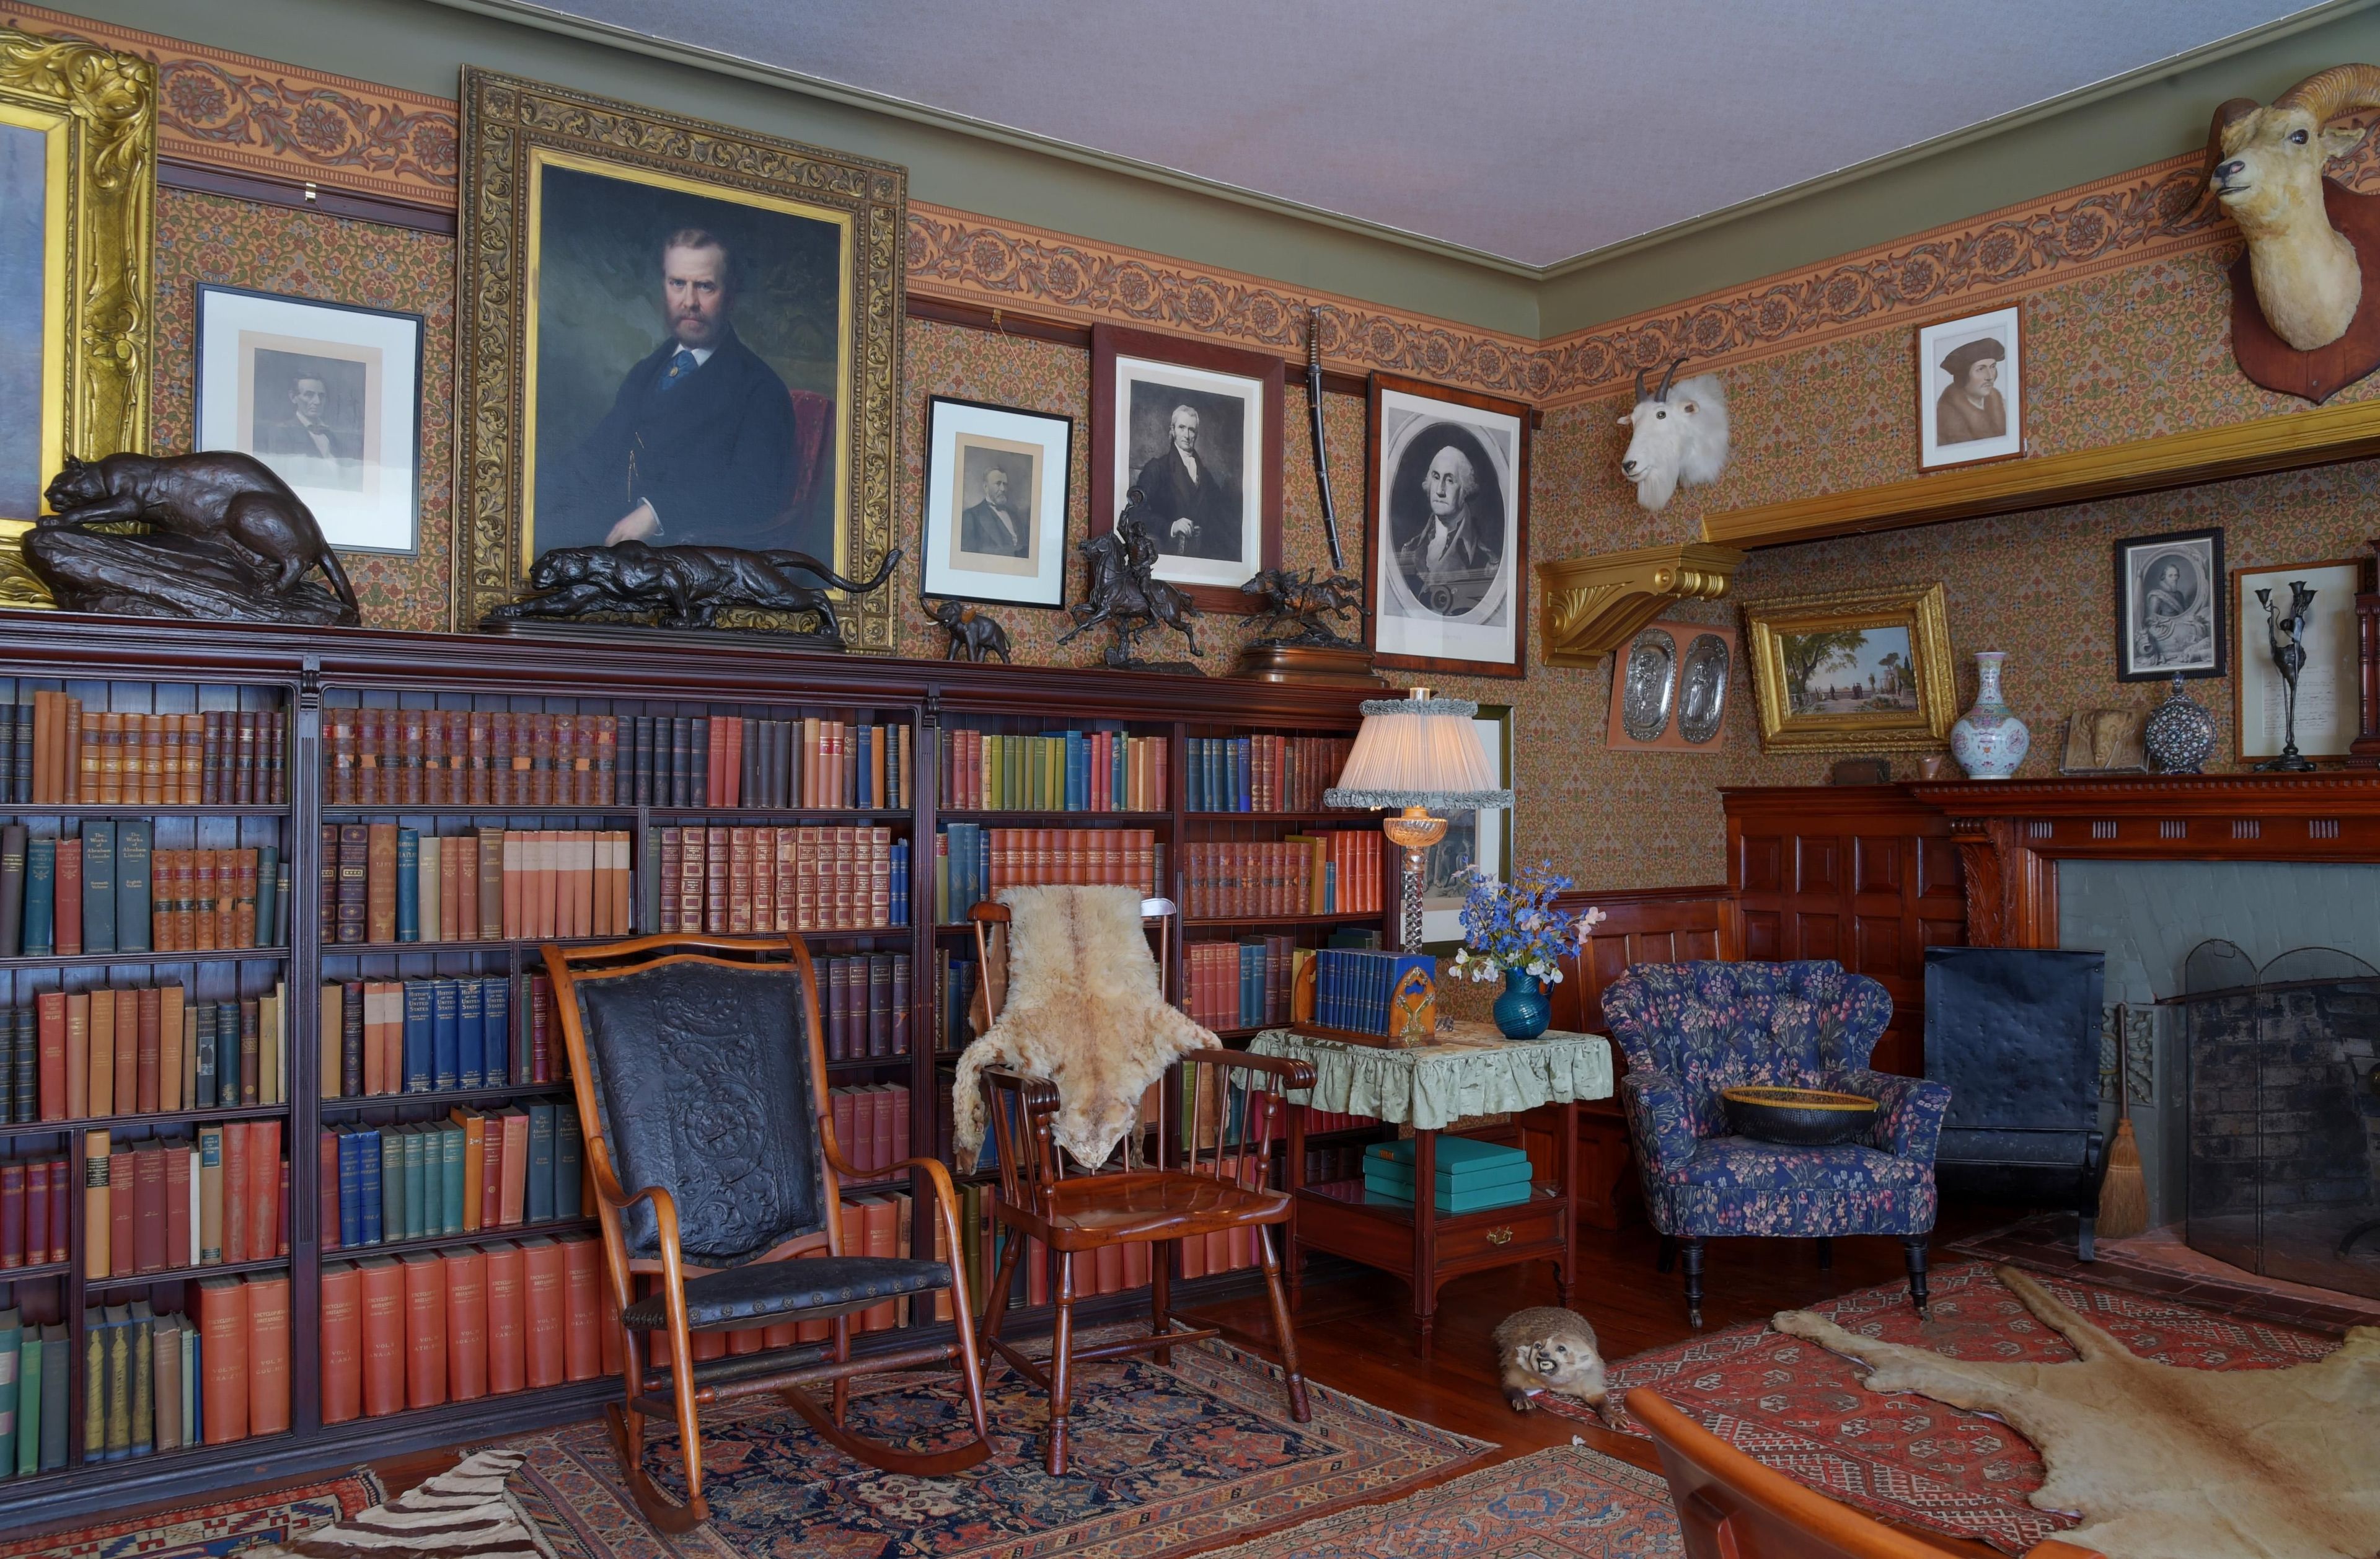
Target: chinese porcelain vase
pixel 1990 741
pixel 1524 1010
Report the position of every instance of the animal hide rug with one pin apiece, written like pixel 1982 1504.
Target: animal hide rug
pixel 1084 1010
pixel 2167 1463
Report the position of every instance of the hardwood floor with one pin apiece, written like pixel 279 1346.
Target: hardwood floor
pixel 1355 1336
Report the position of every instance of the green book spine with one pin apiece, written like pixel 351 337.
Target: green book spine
pixel 417 1210
pixel 392 1184
pixel 119 1385
pixel 55 1343
pixel 268 883
pixel 11 1356
pixel 141 1365
pixel 433 1179
pixel 94 1384
pixel 193 1431
pixel 41 897
pixel 450 1143
pixel 134 843
pixel 28 1403
pixel 98 886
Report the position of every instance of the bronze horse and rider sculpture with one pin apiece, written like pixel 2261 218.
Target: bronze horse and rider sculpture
pixel 1125 594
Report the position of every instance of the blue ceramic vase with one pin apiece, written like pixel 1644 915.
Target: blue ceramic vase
pixel 1524 1010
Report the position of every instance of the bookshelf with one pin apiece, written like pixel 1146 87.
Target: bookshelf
pixel 1132 819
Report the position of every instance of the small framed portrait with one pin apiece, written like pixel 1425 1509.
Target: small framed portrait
pixel 2169 606
pixel 1450 531
pixel 2307 607
pixel 1852 671
pixel 1196 429
pixel 1970 389
pixel 995 504
pixel 328 395
pixel 1670 689
pixel 1480 837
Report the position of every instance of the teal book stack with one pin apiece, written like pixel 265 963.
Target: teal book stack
pixel 1472 1176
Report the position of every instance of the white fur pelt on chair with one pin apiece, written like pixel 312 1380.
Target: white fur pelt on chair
pixel 1084 1010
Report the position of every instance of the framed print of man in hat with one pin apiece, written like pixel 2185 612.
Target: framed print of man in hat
pixel 1970 403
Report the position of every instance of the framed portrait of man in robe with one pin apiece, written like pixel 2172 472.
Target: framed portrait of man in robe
pixel 1449 530
pixel 1970 389
pixel 2169 608
pixel 673 333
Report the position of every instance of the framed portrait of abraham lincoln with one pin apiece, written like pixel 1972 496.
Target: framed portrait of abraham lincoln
pixel 674 333
pixel 1449 530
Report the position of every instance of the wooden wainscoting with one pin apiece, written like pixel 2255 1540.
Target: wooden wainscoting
pixel 1864 874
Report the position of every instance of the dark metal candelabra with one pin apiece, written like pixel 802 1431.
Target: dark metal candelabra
pixel 2287 637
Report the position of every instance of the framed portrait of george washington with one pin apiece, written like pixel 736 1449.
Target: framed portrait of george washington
pixel 674 333
pixel 1449 530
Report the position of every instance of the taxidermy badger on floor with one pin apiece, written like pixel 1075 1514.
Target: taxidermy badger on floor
pixel 1547 1349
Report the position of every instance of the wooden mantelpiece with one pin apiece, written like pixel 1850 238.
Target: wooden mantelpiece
pixel 2011 835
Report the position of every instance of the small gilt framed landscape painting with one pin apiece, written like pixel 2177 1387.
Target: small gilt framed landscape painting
pixel 1970 389
pixel 1852 671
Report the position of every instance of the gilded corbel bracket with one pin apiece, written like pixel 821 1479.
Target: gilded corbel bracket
pixel 1591 605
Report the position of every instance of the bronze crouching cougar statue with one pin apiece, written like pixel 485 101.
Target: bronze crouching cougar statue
pixel 684 587
pixel 211 535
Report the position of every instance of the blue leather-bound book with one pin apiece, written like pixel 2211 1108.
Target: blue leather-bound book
pixel 470 1034
pixel 1078 773
pixel 41 897
pixel 419 1052
pixel 408 884
pixel 495 1026
pixel 411 1166
pixel 351 1205
pixel 450 1177
pixel 268 883
pixel 538 1203
pixel 432 1135
pixel 134 839
pixel 446 1040
pixel 392 1182
pixel 98 886
pixel 864 765
pixel 569 1152
pixel 230 1075
pixel 1244 757
pixel 202 1047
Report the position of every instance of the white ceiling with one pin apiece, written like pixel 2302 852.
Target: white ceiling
pixel 1530 129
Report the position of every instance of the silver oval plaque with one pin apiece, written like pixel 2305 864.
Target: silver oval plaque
pixel 1650 686
pixel 1703 703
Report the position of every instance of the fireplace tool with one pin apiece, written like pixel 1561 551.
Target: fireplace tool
pixel 2287 637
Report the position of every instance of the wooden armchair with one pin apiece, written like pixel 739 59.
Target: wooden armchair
pixel 701 1082
pixel 1213 1183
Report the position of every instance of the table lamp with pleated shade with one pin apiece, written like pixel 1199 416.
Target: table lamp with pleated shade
pixel 1421 756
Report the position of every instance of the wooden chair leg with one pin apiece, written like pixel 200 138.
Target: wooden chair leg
pixel 1160 1295
pixel 995 1310
pixel 1284 1335
pixel 1692 1250
pixel 627 1440
pixel 843 1385
pixel 1913 1251
pixel 1062 1365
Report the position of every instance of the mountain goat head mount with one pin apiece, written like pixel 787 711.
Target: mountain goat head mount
pixel 1679 437
pixel 2264 166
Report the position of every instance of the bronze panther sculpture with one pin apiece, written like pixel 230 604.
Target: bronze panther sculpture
pixel 688 586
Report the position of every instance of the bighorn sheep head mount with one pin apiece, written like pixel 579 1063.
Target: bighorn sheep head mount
pixel 2264 165
pixel 1679 437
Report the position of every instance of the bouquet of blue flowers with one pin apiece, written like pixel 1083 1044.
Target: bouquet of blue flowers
pixel 1515 926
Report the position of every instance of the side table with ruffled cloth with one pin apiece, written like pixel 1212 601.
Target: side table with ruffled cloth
pixel 1476 1072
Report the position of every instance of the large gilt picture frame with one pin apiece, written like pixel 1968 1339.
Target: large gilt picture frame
pixel 78 197
pixel 672 331
pixel 1852 671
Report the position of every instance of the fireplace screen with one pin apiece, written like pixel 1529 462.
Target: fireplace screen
pixel 2284 1113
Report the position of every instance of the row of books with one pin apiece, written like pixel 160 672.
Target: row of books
pixel 737 881
pixel 1055 771
pixel 1329 873
pixel 93 1055
pixel 55 751
pixel 1263 773
pixel 432 1327
pixel 475 1170
pixel 871 1125
pixel 482 757
pixel 954 994
pixel 240 1365
pixel 34 1231
pixel 108 890
pixel 874 1225
pixel 863 1004
pixel 167 1203
pixel 973 862
pixel 436 1035
pixel 383 884
pixel 145 1384
pixel 1242 984
pixel 1359 988
pixel 34 1395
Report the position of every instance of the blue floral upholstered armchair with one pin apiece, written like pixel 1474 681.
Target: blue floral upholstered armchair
pixel 1689 1031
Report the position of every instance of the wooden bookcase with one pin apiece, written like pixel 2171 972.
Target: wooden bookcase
pixel 130 663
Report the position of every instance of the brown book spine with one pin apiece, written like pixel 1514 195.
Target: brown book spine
pixel 379 882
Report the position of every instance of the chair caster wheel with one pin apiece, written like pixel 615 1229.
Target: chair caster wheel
pixel 1694 1319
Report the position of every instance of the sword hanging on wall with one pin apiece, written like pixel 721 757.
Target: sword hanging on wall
pixel 1321 456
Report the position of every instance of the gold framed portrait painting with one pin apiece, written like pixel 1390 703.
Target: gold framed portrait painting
pixel 1852 671
pixel 78 182
pixel 673 333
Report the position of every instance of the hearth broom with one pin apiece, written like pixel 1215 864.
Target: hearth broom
pixel 2123 1193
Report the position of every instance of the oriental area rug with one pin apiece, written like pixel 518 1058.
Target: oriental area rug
pixel 1801 1409
pixel 1165 1461
pixel 212 1530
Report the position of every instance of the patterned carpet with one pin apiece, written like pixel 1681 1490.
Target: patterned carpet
pixel 1164 1461
pixel 1568 1503
pixel 1802 1410
pixel 209 1531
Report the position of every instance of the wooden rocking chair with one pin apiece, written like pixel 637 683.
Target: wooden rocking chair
pixel 701 1082
pixel 1215 1185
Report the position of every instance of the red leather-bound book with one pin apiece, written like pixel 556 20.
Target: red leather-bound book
pixel 50 1019
pixel 715 783
pixel 425 1329
pixel 223 1343
pixel 466 1324
pixel 842 1102
pixel 12 1215
pixel 492 1170
pixel 732 779
pixel 149 1251
pixel 235 1190
pixel 883 1227
pixel 546 1322
pixel 508 1318
pixel 342 1344
pixel 583 1291
pixel 67 920
pixel 146 1048
pixel 268 1353
pixel 178 1170
pixel 381 1283
pixel 37 1211
pixel 516 1167
pixel 882 1102
pixel 263 1219
pixel 1135 1264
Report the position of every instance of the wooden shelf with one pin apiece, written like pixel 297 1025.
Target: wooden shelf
pixel 85 960
pixel 1346 918
pixel 1006 815
pixel 356 811
pixel 181 1274
pixel 346 1106
pixel 168 1117
pixel 823 814
pixel 1332 814
pixel 505 944
pixel 859 1063
pixel 137 809
pixel 35 1271
pixel 476 1236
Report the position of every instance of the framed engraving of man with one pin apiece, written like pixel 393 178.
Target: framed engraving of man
pixel 1195 428
pixel 1970 389
pixel 1450 483
pixel 994 523
pixel 2169 608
